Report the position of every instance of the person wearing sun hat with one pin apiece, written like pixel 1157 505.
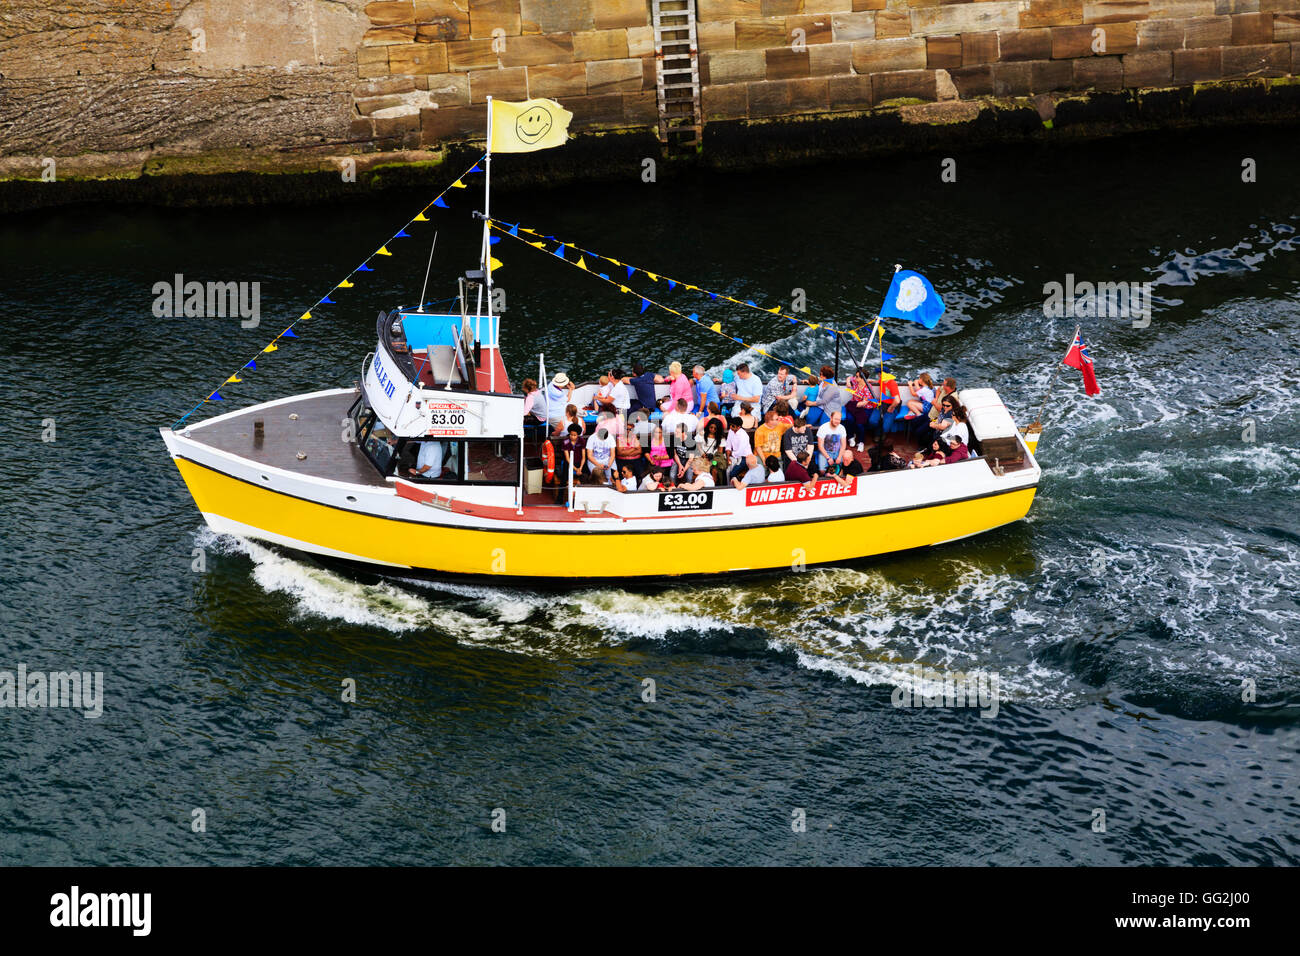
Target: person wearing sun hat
pixel 558 395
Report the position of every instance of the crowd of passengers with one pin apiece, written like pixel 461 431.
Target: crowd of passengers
pixel 735 429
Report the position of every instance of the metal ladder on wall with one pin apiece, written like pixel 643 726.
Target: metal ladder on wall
pixel 677 74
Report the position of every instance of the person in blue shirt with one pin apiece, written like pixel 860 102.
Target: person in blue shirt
pixel 705 389
pixel 644 383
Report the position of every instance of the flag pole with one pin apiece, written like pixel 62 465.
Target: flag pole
pixel 493 336
pixel 1038 419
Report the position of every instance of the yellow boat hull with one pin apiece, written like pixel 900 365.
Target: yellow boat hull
pixel 587 551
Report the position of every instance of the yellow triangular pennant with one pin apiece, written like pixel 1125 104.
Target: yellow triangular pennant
pixel 383 251
pixel 494 263
pixel 271 348
pixel 232 380
pixel 689 286
pixel 539 245
pixel 806 370
pixel 776 310
pixel 814 325
pixel 624 288
pixel 715 327
pixel 582 264
pixel 421 217
pixel 458 185
pixel 345 284
pixel 653 277
pixel 615 261
pixel 305 315
pixel 761 352
pixel 531 232
pixel 855 335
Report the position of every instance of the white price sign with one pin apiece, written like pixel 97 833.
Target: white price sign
pixel 448 420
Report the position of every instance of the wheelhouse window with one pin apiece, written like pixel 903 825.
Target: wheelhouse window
pixel 465 461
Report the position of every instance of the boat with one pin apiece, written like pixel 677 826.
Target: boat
pixel 327 474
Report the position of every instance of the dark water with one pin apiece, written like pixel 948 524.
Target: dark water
pixel 1154 575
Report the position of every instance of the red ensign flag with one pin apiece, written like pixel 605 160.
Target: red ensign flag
pixel 1079 358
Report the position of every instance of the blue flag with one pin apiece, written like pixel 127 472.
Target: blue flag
pixel 911 296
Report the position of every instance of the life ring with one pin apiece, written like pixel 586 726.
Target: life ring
pixel 548 461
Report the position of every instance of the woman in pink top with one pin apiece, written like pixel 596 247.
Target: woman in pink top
pixel 679 386
pixel 658 454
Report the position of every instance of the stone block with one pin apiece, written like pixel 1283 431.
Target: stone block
pixel 506 84
pixel 1153 68
pixel 621 14
pixel 1050 76
pixel 442 19
pixel 486 16
pixel 387 13
pixel 1051 13
pixel 471 55
pixel 372 61
pixel 849 92
pixel 614 76
pixel 712 37
pixel 605 110
pixel 448 89
pixel 538 49
pixel 830 59
pixel 641 109
pixel 1286 27
pixel 1265 59
pixel 602 45
pixel 1114 11
pixel 966 18
pixel 1196 66
pixel 816 29
pixel 1161 35
pixel 727 10
pixel 1208 32
pixel 1102 73
pixel 760 34
pixel 907 84
pixel 725 102
pixel 557 79
pixel 886 56
pixel 1011 79
pixel 943 52
pixel 1252 29
pixel 979 48
pixel 641 41
pixel 786 64
pixel 738 66
pixel 418 58
pixel 1035 44
pixel 558 16
pixel 847 27
pixel 451 124
pixel 973 81
pixel 891 24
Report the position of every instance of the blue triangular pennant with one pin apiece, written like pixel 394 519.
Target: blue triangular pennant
pixel 328 301
pixel 694 317
pixel 886 357
pixel 560 251
pixel 671 285
pixel 439 202
pixel 215 397
pixel 493 240
pixel 713 296
pixel 630 270
pixel 605 277
pixel 289 334
pixel 477 169
pixel 252 365
pixel 645 304
pixel 402 234
pixel 364 268
pixel 750 302
pixel 514 230
pixel 793 321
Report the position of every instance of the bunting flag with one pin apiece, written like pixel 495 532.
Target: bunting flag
pixel 645 301
pixel 673 283
pixel 493 263
pixel 346 283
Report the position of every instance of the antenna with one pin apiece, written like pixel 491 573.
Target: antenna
pixel 425 287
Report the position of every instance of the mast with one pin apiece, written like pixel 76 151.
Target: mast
pixel 486 261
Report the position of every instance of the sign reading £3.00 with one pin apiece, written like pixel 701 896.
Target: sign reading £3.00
pixel 448 419
pixel 783 494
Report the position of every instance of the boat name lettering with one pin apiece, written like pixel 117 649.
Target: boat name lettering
pixel 686 501
pixel 387 384
pixel 783 494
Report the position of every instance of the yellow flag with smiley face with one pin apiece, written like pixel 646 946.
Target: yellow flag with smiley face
pixel 528 126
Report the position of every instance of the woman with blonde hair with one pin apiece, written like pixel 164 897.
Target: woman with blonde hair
pixel 679 386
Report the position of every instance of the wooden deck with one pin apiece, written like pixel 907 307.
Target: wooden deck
pixel 317 432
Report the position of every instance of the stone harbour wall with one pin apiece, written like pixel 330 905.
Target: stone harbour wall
pixel 134 88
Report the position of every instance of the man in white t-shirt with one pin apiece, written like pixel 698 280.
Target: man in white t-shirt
pixel 600 455
pixel 832 439
pixel 680 416
pixel 429 463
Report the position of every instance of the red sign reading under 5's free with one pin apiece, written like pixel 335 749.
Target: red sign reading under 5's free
pixel 784 494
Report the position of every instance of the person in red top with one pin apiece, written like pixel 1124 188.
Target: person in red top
pixel 882 416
